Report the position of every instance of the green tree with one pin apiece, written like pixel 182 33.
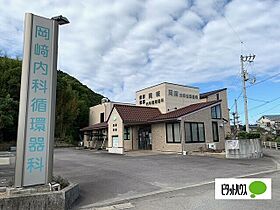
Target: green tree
pixel 7 114
pixel 72 104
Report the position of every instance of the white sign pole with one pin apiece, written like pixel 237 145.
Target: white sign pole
pixel 34 160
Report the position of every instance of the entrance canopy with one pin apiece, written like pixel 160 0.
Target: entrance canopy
pixel 96 126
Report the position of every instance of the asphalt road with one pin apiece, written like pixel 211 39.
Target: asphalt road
pixel 107 177
pixel 202 198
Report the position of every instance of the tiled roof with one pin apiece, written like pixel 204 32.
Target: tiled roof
pixel 183 111
pixel 204 95
pixel 141 114
pixel 95 126
pixel 136 114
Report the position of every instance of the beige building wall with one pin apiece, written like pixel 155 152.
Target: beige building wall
pixel 159 140
pixel 128 143
pixel 94 112
pixel 135 137
pixel 158 101
pixel 115 128
pixel 181 96
pixel 222 95
pixel 204 116
pixel 175 102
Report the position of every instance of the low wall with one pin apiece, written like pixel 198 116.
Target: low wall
pixel 243 148
pixel 59 200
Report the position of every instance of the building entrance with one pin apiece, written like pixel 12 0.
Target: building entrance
pixel 145 138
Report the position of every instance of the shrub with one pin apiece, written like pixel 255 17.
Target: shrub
pixel 245 135
pixel 60 180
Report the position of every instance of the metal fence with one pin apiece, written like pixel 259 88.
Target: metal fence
pixel 271 145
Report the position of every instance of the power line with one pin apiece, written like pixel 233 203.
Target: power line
pixel 276 106
pixel 264 80
pixel 261 105
pixel 271 77
pixel 236 100
pixel 258 100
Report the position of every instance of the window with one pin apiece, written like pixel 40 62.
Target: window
pixel 181 95
pixel 143 102
pixel 173 133
pixel 158 94
pixel 140 97
pixel 126 135
pixel 218 96
pixel 196 97
pixel 184 95
pixel 158 100
pixel 194 132
pixel 147 103
pixel 216 112
pixel 102 117
pixel 215 131
pixel 162 100
pixel 175 93
pixel 150 95
pixel 153 102
pixel 143 96
pixel 170 92
pixel 140 102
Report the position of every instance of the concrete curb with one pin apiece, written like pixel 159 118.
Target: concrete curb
pixel 135 197
pixel 59 200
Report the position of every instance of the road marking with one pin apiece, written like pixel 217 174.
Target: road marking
pixel 116 207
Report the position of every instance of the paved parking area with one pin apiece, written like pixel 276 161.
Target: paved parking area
pixel 108 177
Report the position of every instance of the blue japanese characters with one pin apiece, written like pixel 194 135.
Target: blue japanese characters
pixel 38 106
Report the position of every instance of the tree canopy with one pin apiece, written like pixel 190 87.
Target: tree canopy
pixel 72 103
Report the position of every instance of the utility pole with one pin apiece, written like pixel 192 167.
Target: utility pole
pixel 245 77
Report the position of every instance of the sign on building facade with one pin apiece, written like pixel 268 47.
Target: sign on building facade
pixel 37 102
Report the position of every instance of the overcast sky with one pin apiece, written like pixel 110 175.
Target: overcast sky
pixel 117 47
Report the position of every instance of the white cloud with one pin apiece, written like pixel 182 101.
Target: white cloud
pixel 117 47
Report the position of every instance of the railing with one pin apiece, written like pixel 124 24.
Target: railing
pixel 271 145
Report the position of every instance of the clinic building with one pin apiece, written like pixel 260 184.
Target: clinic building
pixel 166 117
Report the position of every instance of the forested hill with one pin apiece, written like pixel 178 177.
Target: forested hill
pixel 72 105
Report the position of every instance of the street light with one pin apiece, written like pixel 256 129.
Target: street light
pixel 61 20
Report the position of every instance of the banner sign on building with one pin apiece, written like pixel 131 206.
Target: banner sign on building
pixel 37 102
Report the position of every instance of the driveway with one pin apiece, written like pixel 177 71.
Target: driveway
pixel 107 177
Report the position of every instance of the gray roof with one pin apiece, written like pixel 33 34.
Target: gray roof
pixel 275 117
pixel 205 95
pixel 187 86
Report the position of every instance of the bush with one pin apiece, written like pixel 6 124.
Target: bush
pixel 245 135
pixel 277 139
pixel 60 180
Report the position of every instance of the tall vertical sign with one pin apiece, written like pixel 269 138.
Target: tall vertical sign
pixel 34 160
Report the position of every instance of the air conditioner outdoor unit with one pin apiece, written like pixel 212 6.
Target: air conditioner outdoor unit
pixel 211 146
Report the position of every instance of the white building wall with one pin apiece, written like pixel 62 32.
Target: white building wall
pixel 181 96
